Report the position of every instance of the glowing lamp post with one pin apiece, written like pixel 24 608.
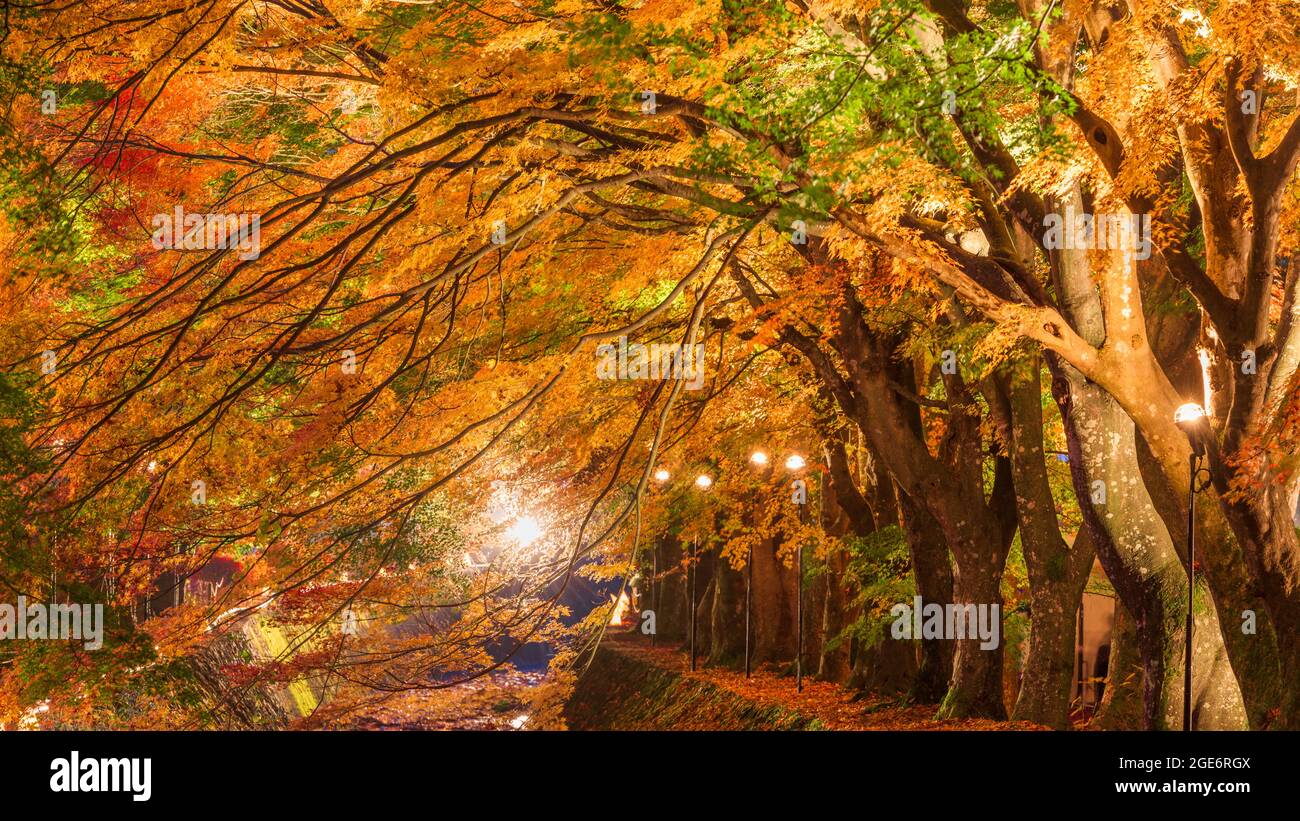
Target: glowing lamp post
pixel 758 459
pixel 704 481
pixel 1192 420
pixel 661 476
pixel 795 463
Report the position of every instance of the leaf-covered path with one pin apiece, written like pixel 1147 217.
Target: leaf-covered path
pixel 833 706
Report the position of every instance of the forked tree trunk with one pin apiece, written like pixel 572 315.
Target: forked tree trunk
pixel 951 489
pixel 1137 554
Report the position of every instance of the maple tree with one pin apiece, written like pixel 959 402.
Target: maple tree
pixel 846 204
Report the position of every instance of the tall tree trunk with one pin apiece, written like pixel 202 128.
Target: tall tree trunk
pixel 727 616
pixel 976 686
pixel 833 663
pixel 1262 518
pixel 704 617
pixel 932 576
pixel 1131 534
pixel 951 488
pixel 845 513
pixel 1135 549
pixel 1057 571
pixel 670 593
pixel 699 600
pixel 1044 696
pixel 773 625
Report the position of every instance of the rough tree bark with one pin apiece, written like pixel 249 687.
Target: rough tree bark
pixel 773 625
pixel 1137 553
pixel 1121 703
pixel 932 576
pixel 1057 571
pixel 845 512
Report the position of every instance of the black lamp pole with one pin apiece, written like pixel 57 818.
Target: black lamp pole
pixel 758 458
pixel 1191 418
pixel 798 660
pixel 749 586
pixel 1194 465
pixel 694 573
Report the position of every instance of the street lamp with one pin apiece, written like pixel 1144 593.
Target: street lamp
pixel 759 459
pixel 661 475
pixel 704 481
pixel 795 463
pixel 1191 419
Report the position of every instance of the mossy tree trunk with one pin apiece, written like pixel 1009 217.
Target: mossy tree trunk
pixel 1057 571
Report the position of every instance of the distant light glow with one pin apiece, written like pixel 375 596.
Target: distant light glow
pixel 525 531
pixel 758 457
pixel 661 475
pixel 620 607
pixel 795 462
pixel 704 481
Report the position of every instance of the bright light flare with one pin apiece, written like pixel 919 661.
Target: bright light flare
pixel 1188 413
pixel 525 531
pixel 794 462
pixel 758 457
pixel 661 475
pixel 704 481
